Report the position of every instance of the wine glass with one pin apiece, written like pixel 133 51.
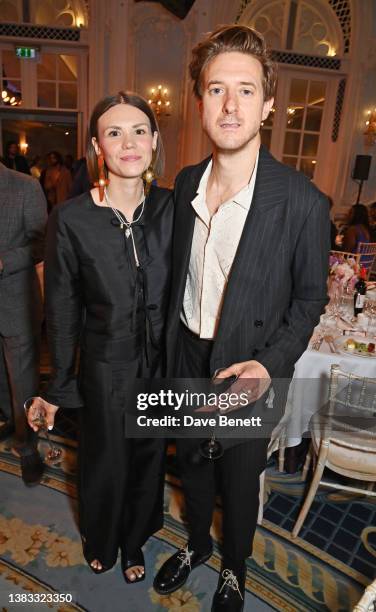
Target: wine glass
pixel 54 452
pixel 335 308
pixel 211 448
pixel 370 311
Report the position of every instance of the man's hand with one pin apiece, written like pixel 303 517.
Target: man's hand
pixel 256 379
pixel 252 380
pixel 40 411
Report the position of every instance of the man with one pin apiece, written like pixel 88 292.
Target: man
pixel 13 160
pixel 23 217
pixel 249 278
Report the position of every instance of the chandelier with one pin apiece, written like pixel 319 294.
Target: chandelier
pixel 159 101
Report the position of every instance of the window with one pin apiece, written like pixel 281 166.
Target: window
pixel 305 26
pixel 57 81
pixel 11 92
pixel 303 123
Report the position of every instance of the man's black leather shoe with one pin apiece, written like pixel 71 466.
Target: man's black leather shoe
pixel 229 596
pixel 32 468
pixel 6 429
pixel 175 571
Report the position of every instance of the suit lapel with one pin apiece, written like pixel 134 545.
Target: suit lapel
pixel 261 237
pixel 183 230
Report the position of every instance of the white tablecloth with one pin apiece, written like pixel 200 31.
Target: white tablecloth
pixel 309 387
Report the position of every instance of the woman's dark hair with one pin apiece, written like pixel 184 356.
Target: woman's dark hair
pixel 57 155
pixel 359 215
pixel 104 105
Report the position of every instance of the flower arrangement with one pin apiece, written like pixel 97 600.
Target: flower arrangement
pixel 343 272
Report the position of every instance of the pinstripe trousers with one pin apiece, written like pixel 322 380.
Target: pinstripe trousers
pixel 234 476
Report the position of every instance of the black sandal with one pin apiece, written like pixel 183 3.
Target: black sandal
pixel 128 563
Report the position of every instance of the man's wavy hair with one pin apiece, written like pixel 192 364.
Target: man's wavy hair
pixel 229 38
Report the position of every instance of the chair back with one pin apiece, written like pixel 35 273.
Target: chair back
pixel 344 257
pixel 351 408
pixel 368 601
pixel 367 252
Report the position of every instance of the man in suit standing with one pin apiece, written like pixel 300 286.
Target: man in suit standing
pixel 250 264
pixel 13 160
pixel 23 216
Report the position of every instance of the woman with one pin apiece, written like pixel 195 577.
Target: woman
pixel 357 230
pixel 107 274
pixel 56 180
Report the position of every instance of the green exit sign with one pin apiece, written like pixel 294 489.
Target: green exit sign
pixel 27 52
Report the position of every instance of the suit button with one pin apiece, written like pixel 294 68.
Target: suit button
pixel 258 323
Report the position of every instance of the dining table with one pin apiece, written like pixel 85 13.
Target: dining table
pixel 308 391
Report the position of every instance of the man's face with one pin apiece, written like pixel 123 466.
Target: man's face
pixel 13 150
pixel 232 105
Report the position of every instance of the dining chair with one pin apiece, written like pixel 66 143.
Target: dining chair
pixel 272 446
pixel 343 437
pixel 343 256
pixel 367 603
pixel 367 252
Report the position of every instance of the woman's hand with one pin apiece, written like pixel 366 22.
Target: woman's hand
pixel 41 411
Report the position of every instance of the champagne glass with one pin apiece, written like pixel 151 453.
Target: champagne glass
pixel 54 452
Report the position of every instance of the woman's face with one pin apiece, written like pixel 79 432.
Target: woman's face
pixel 125 141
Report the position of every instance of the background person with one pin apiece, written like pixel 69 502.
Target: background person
pixel 23 216
pixel 372 221
pixel 358 229
pixel 14 160
pixel 56 180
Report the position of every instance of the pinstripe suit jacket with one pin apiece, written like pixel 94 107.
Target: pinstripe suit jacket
pixel 23 216
pixel 277 287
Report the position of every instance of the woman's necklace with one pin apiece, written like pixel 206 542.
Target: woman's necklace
pixel 123 220
pixel 128 224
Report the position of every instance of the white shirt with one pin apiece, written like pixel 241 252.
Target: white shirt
pixel 214 245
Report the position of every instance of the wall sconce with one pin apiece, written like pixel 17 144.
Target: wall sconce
pixel 24 147
pixel 159 101
pixel 11 98
pixel 370 131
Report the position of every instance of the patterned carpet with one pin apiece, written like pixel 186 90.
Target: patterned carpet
pixel 40 551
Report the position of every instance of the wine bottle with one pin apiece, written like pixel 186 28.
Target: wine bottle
pixel 360 292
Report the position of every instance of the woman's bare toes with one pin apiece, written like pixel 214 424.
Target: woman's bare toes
pixel 96 565
pixel 135 572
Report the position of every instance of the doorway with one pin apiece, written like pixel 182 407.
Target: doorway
pixel 39 133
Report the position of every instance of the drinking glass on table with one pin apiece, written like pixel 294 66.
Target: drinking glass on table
pixel 335 308
pixel 36 416
pixel 370 311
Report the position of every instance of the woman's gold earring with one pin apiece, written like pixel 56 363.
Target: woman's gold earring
pixel 102 181
pixel 148 177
